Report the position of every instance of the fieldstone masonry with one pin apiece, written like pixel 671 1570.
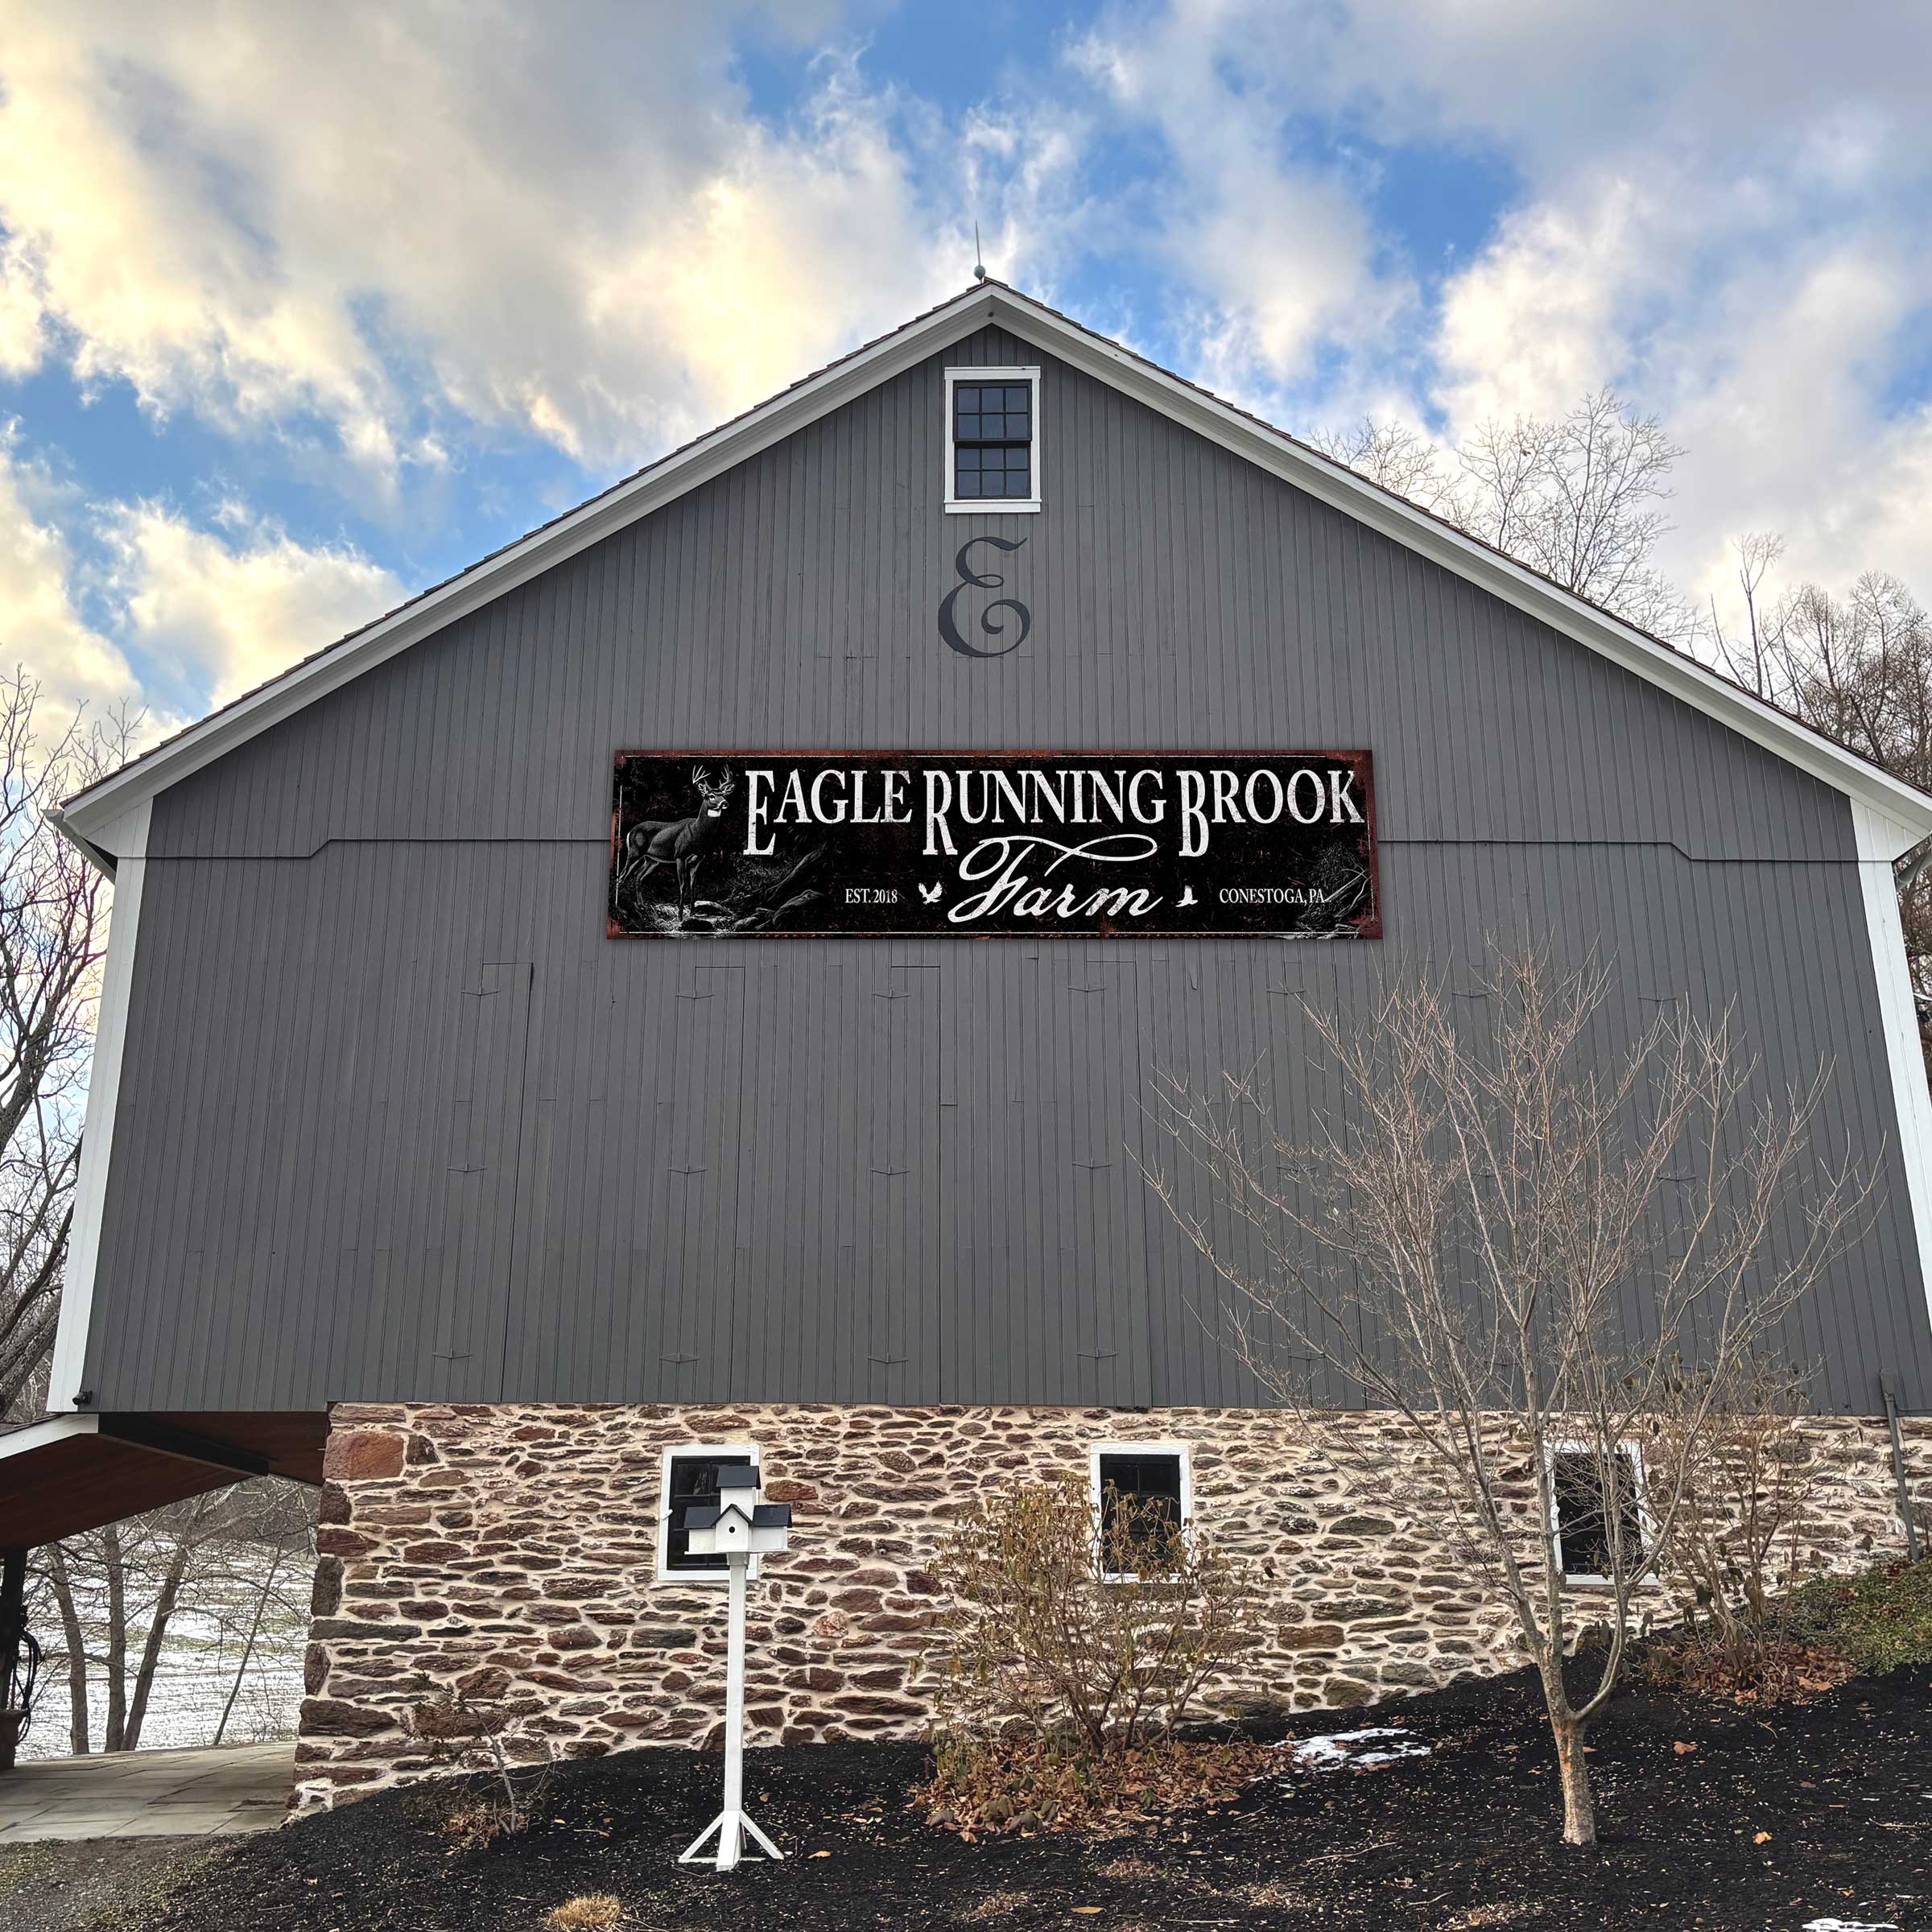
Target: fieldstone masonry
pixel 511 1550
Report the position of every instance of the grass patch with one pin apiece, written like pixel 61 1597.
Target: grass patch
pixel 588 1912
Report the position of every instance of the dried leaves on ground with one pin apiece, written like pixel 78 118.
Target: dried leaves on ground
pixel 1034 1785
pixel 1781 1815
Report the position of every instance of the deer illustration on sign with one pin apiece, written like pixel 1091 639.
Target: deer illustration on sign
pixel 681 844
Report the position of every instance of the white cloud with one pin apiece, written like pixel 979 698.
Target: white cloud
pixel 1723 210
pixel 387 213
pixel 1534 322
pixel 1273 255
pixel 41 627
pixel 215 613
pixel 130 606
pixel 400 227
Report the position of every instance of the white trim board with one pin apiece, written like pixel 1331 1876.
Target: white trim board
pixel 89 813
pixel 40 1435
pixel 1181 1451
pixel 129 842
pixel 1898 1014
pixel 994 506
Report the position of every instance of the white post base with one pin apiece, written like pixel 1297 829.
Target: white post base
pixel 732 1827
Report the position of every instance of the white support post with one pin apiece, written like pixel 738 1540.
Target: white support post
pixel 731 1825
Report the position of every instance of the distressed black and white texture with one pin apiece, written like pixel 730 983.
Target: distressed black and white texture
pixel 912 844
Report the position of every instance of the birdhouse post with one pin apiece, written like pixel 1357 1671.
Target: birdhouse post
pixel 740 1528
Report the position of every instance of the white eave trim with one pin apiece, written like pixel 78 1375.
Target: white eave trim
pixel 42 1435
pixel 1335 483
pixel 128 838
pixel 1878 841
pixel 1269 449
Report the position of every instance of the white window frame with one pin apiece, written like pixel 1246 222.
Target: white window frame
pixel 664 1575
pixel 1646 1528
pixel 994 506
pixel 1180 1451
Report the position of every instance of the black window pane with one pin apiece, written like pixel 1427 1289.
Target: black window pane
pixel 993 440
pixel 694 1480
pixel 1584 1517
pixel 1153 1482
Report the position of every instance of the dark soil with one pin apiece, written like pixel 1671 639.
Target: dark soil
pixel 1814 1810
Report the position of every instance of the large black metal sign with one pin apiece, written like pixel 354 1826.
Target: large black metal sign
pixel 915 843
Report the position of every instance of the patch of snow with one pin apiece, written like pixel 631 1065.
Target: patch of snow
pixel 1849 1925
pixel 1385 1743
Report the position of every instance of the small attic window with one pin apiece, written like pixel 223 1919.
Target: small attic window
pixel 993 440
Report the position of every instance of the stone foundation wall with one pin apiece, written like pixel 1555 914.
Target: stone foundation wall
pixel 512 1550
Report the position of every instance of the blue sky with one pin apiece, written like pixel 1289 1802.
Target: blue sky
pixel 302 306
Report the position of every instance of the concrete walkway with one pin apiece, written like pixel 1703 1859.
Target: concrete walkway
pixel 146 1794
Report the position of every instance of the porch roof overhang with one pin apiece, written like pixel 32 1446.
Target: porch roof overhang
pixel 72 1473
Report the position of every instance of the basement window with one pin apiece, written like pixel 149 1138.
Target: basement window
pixel 1155 1483
pixel 1590 1511
pixel 690 1481
pixel 992 440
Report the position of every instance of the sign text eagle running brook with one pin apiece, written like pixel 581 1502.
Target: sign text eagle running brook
pixel 1096 844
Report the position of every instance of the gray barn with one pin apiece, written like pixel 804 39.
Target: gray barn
pixel 386 1124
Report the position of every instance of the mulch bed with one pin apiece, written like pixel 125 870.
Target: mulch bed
pixel 1775 1819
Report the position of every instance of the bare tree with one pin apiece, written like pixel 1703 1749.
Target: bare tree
pixel 1858 669
pixel 1578 498
pixel 53 924
pixel 1398 457
pixel 264 1553
pixel 224 1560
pixel 1509 1237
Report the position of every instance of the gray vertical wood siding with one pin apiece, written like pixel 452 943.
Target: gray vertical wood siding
pixel 397 1120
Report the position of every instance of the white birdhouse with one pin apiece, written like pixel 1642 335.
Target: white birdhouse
pixel 741 1524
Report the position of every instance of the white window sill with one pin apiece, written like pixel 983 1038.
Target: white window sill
pixel 706 1576
pixel 993 507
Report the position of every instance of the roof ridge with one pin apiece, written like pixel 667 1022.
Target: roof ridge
pixel 1352 478
pixel 536 530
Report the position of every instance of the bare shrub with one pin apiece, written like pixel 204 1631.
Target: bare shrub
pixel 1065 1618
pixel 1509 1234
pixel 1076 1639
pixel 1029 1784
pixel 1738 1550
pixel 470 1730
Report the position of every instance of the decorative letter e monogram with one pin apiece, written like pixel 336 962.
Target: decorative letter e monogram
pixel 991 626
